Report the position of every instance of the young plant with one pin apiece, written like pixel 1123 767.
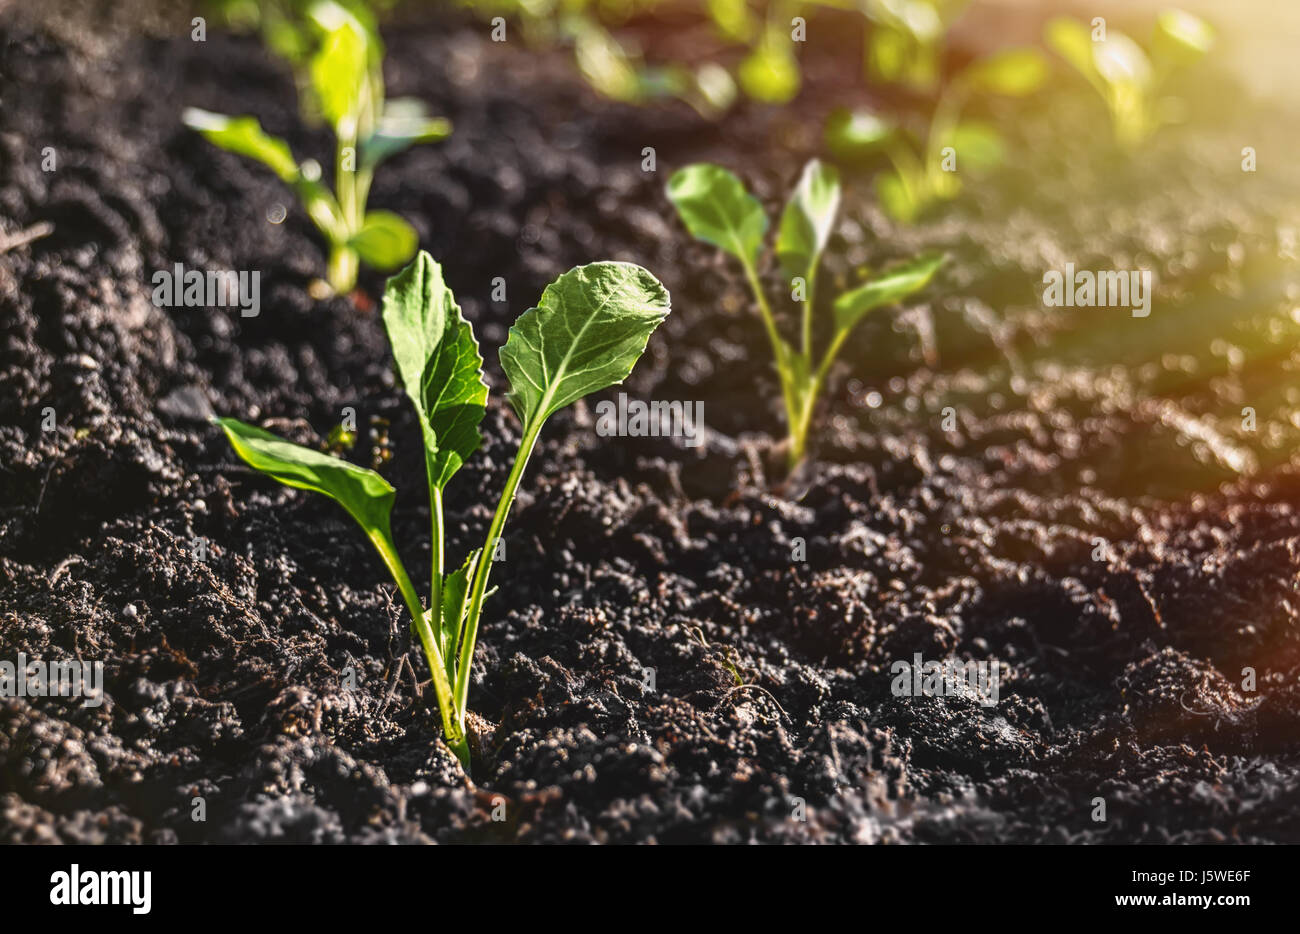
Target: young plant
pixel 586 333
pixel 905 39
pixel 925 171
pixel 1128 79
pixel 717 209
pixel 348 91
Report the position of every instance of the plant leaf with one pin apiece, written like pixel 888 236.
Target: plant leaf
pixel 1013 72
pixel 855 133
pixel 717 209
pixel 245 136
pixel 979 146
pixel 1073 42
pixel 586 333
pixel 405 123
pixel 771 73
pixel 385 240
pixel 807 220
pixel 366 496
pixel 339 77
pixel 605 64
pixel 891 287
pixel 1121 62
pixel 439 363
pixel 455 589
pixel 895 198
pixel 1181 38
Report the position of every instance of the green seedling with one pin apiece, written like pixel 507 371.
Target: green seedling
pixel 348 91
pixel 925 171
pixel 586 333
pixel 717 209
pixel 906 39
pixel 1130 80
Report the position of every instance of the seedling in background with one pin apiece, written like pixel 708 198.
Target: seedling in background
pixel 927 171
pixel 586 334
pixel 348 90
pixel 905 40
pixel 717 209
pixel 1130 81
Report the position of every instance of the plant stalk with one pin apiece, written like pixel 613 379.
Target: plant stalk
pixel 779 348
pixel 452 727
pixel 484 565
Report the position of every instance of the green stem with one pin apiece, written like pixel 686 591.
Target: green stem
pixel 803 419
pixel 435 562
pixel 483 566
pixel 452 726
pixel 779 346
pixel 344 262
pixel 342 271
pixel 807 310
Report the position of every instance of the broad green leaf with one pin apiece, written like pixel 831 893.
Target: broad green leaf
pixel 385 240
pixel 405 123
pixel 1181 38
pixel 366 496
pixel 979 146
pixel 807 220
pixel 855 133
pixel 717 209
pixel 1072 42
pixel 439 363
pixel 586 333
pixel 244 135
pixel 339 74
pixel 771 73
pixel 1013 73
pixel 893 286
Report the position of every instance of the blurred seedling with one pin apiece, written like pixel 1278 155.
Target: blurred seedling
pixel 927 170
pixel 348 88
pixel 716 208
pixel 1130 80
pixel 586 333
pixel 906 39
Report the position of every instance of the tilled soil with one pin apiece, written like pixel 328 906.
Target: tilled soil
pixel 656 666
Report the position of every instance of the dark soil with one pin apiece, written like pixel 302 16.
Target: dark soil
pixel 225 660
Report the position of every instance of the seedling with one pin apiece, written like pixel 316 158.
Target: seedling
pixel 586 333
pixel 926 171
pixel 905 39
pixel 1130 81
pixel 717 209
pixel 348 90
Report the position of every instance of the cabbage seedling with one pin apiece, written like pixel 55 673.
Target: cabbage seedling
pixel 348 89
pixel 905 38
pixel 716 208
pixel 927 171
pixel 586 333
pixel 1128 79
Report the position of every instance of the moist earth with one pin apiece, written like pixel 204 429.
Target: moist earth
pixel 685 646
